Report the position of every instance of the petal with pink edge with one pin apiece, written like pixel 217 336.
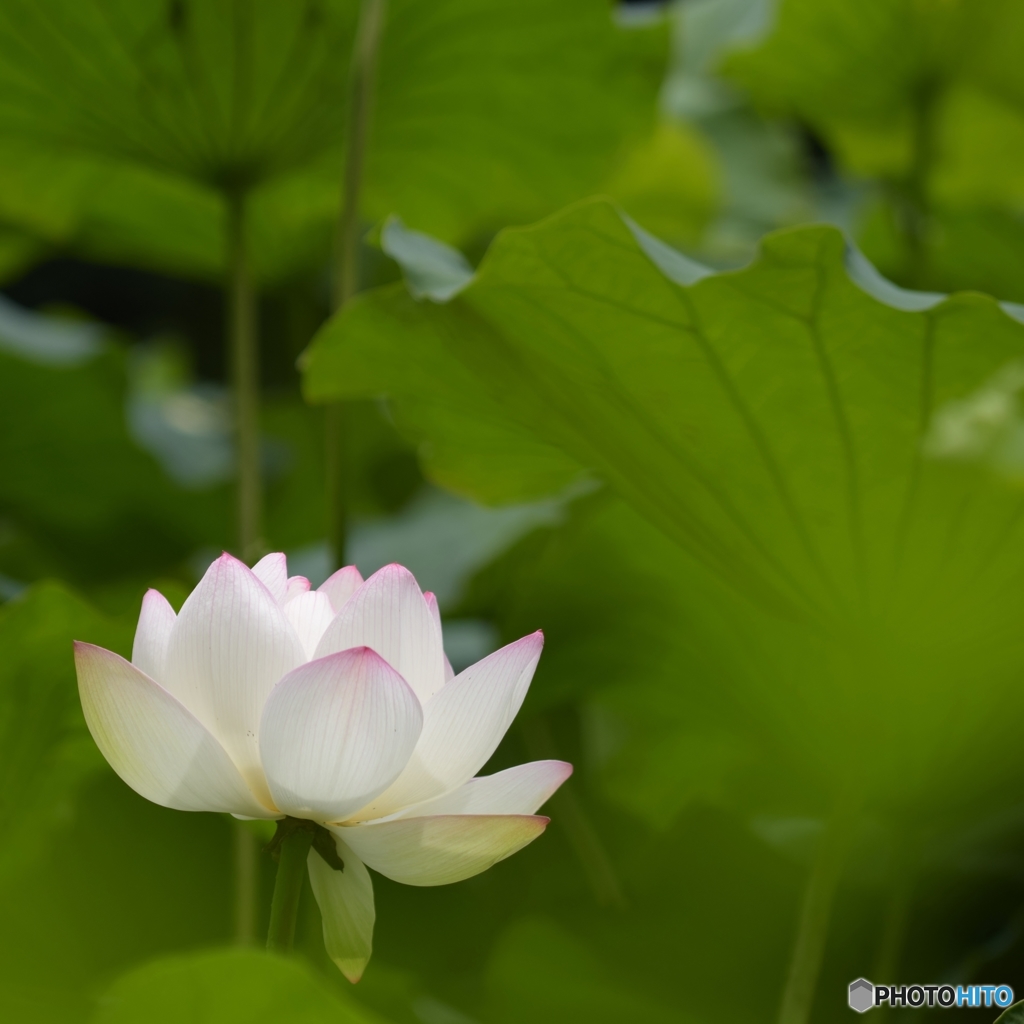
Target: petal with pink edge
pixel 443 849
pixel 310 614
pixel 272 571
pixel 153 634
pixel 154 742
pixel 389 614
pixel 462 726
pixel 519 790
pixel 341 586
pixel 230 646
pixel 346 906
pixel 336 732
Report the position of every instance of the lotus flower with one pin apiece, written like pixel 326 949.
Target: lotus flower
pixel 267 699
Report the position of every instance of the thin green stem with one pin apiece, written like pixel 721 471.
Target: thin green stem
pixel 244 366
pixel 337 475
pixel 291 872
pixel 364 73
pixel 246 863
pixel 912 194
pixel 345 282
pixel 244 377
pixel 815 911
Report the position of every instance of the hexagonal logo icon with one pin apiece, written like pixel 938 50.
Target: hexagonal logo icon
pixel 862 995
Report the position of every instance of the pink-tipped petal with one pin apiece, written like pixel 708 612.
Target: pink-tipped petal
pixel 342 585
pixel 462 727
pixel 154 742
pixel 229 647
pixel 336 732
pixel 272 571
pixel 520 790
pixel 296 585
pixel 346 906
pixel 443 849
pixel 388 613
pixel 152 635
pixel 310 614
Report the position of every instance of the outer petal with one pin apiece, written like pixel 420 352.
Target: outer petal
pixel 345 899
pixel 310 614
pixel 154 742
pixel 272 572
pixel 336 732
pixel 341 586
pixel 519 790
pixel 230 645
pixel 153 633
pixel 389 614
pixel 442 849
pixel 462 726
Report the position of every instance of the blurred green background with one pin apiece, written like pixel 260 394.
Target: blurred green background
pixel 765 505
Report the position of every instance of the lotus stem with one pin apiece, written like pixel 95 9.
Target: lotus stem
pixel 916 212
pixel 245 855
pixel 244 362
pixel 815 912
pixel 346 261
pixel 291 872
pixel 244 378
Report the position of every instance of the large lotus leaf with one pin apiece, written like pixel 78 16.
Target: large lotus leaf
pixel 927 94
pixel 46 753
pixel 124 122
pixel 219 92
pixel 898 87
pixel 121 880
pixel 770 421
pixel 228 986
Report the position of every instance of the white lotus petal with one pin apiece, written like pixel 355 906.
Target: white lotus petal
pixel 153 633
pixel 310 614
pixel 345 899
pixel 154 742
pixel 519 790
pixel 336 732
pixel 296 585
pixel 389 614
pixel 341 586
pixel 442 849
pixel 272 571
pixel 462 726
pixel 230 645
